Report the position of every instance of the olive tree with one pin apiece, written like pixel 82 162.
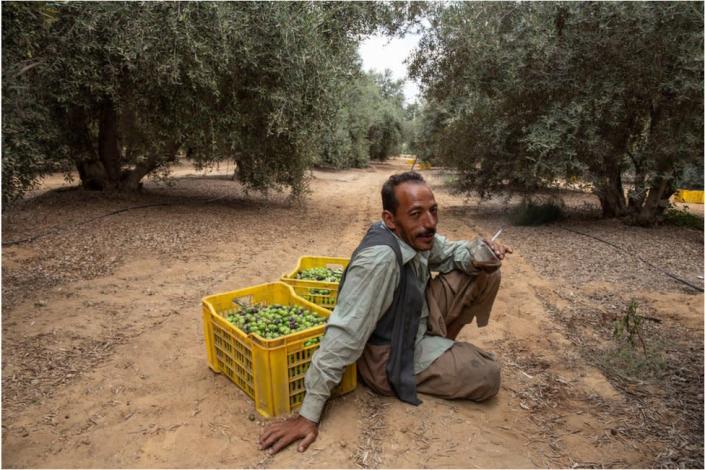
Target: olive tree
pixel 28 132
pixel 121 88
pixel 368 123
pixel 534 93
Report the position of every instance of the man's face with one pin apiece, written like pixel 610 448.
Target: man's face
pixel 416 217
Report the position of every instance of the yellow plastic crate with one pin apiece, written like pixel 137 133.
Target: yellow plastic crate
pixel 270 371
pixel 323 294
pixel 315 291
pixel 419 164
pixel 689 195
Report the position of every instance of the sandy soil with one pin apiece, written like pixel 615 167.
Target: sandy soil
pixel 104 363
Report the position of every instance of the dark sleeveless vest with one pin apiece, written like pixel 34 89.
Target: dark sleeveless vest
pixel 400 323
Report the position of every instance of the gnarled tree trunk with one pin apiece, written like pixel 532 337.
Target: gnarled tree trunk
pixel 108 144
pixel 655 203
pixel 103 168
pixel 92 173
pixel 610 191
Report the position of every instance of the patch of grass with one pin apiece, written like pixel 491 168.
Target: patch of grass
pixel 631 358
pixel 535 213
pixel 683 218
pixel 629 327
pixel 630 363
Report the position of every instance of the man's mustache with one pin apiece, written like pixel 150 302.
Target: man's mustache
pixel 426 234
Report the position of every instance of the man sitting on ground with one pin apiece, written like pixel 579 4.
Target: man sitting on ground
pixel 397 322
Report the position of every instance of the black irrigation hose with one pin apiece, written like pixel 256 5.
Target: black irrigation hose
pixel 636 256
pixel 63 229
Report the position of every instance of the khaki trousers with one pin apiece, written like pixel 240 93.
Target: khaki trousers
pixel 463 371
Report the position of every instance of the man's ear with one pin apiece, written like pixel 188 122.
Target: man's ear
pixel 388 219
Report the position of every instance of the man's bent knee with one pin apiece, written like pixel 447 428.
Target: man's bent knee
pixel 487 381
pixel 479 375
pixel 493 381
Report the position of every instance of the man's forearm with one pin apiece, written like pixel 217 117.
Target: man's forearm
pixel 341 346
pixel 312 407
pixel 447 256
pixel 324 374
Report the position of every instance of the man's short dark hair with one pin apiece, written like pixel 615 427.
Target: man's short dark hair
pixel 389 200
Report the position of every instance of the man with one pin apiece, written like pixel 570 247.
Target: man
pixel 397 322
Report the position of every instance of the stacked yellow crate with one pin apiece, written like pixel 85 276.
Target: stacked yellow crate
pixel 272 371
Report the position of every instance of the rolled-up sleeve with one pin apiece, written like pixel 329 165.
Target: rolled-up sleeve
pixel 447 256
pixel 367 293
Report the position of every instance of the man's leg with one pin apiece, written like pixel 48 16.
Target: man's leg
pixel 464 371
pixel 454 299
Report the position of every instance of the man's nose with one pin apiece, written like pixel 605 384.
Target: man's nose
pixel 430 220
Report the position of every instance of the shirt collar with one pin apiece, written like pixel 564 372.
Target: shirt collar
pixel 407 252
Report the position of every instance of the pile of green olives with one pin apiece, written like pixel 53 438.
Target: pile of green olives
pixel 321 274
pixel 273 321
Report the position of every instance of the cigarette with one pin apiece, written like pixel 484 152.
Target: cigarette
pixel 497 234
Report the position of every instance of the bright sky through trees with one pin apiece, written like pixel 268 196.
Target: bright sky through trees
pixel 379 52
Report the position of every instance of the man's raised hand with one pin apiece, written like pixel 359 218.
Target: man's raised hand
pixel 499 249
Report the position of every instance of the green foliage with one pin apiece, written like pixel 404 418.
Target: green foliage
pixel 683 218
pixel 345 143
pixel 28 133
pixel 119 88
pixel 368 123
pixel 628 327
pixel 385 132
pixel 536 213
pixel 631 364
pixel 410 128
pixel 528 94
pixel 424 130
pixel 691 176
pixel 630 358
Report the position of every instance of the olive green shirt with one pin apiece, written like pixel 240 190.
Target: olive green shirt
pixel 366 295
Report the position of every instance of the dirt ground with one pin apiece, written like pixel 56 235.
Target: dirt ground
pixel 104 362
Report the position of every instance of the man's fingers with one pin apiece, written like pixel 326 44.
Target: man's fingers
pixel 283 441
pixel 500 250
pixel 268 431
pixel 310 437
pixel 271 438
pixel 265 434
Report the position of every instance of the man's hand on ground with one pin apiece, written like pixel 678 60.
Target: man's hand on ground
pixel 277 436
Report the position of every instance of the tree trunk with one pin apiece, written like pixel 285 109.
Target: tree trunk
pixel 108 146
pixel 90 170
pixel 132 180
pixel 99 168
pixel 636 196
pixel 104 171
pixel 611 194
pixel 92 174
pixel 655 204
pixel 652 205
